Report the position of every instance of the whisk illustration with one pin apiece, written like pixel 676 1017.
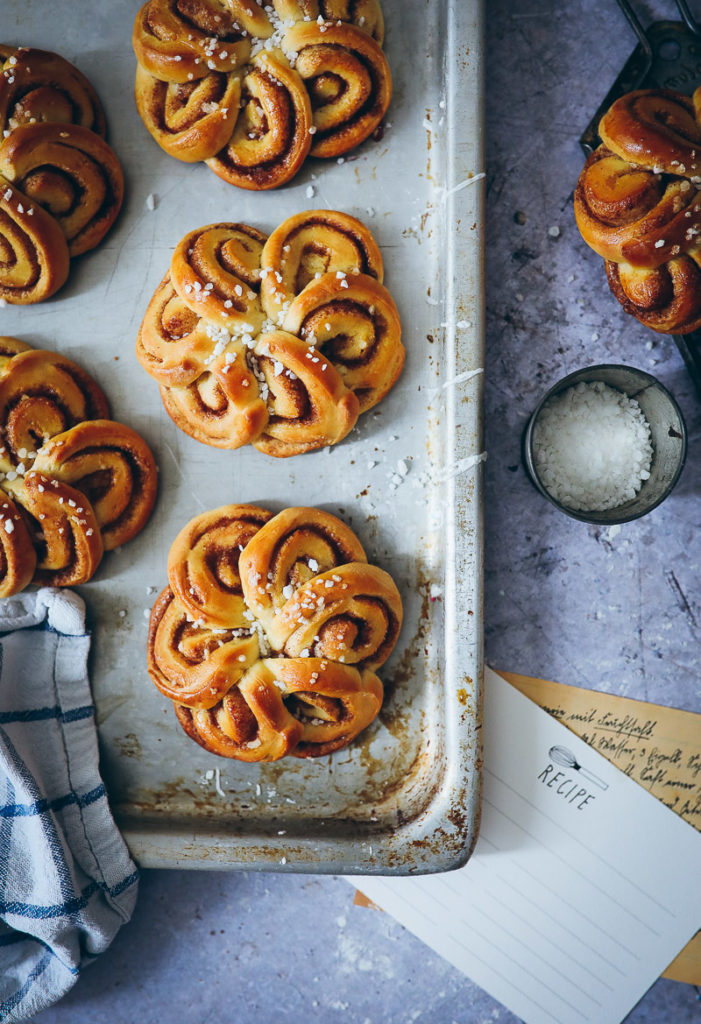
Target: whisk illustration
pixel 565 757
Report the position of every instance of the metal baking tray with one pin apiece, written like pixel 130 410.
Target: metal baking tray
pixel 405 797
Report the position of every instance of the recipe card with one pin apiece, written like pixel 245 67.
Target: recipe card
pixel 582 886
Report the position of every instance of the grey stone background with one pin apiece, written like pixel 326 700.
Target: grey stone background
pixel 613 610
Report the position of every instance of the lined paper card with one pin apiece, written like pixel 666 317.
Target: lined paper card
pixel 582 886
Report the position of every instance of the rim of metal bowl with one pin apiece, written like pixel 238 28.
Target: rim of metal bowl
pixel 562 385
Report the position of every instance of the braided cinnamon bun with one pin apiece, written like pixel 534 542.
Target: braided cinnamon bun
pixel 61 186
pixel 78 484
pixel 267 637
pixel 289 390
pixel 638 206
pixel 311 74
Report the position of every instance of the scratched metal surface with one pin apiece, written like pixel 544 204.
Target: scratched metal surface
pixel 405 797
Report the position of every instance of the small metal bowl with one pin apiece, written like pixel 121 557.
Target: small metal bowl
pixel 667 430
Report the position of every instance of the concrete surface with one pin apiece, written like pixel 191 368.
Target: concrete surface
pixel 616 610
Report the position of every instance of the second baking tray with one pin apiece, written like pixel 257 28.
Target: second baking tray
pixel 404 797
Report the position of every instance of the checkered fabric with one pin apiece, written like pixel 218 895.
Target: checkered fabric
pixel 67 882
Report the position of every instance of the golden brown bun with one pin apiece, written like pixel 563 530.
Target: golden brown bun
pixel 61 186
pixel 79 484
pixel 267 637
pixel 252 89
pixel 638 205
pixel 337 352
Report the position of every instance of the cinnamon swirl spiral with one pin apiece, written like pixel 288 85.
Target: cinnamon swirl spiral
pixel 18 558
pixel 173 344
pixel 61 186
pixel 34 255
pixel 289 551
pixel 349 83
pixel 271 138
pixel 267 637
pixel 310 244
pixel 223 406
pixel 193 664
pixel 638 206
pixel 354 322
pixel 311 75
pixel 113 467
pixel 72 173
pixel 65 532
pixel 203 564
pixel 79 484
pixel 38 86
pixel 189 120
pixel 216 271
pixel 308 404
pixel 286 391
pixel 42 394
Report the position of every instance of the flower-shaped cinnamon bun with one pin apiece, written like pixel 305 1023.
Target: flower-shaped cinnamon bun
pixel 269 633
pixel 280 343
pixel 61 186
pixel 638 206
pixel 72 482
pixel 254 90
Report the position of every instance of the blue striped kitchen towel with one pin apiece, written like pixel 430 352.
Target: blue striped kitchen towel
pixel 67 881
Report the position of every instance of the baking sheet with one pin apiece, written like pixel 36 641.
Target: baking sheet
pixel 405 797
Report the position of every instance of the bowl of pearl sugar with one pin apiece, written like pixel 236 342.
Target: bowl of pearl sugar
pixel 606 444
